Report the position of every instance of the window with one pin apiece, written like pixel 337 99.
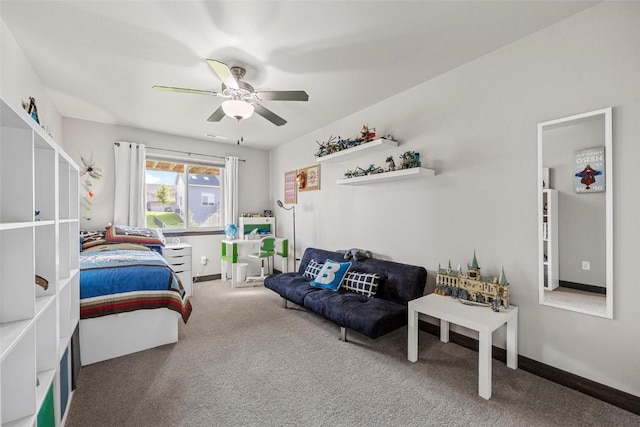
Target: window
pixel 208 199
pixel 182 195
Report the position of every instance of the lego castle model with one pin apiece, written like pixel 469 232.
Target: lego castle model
pixel 491 291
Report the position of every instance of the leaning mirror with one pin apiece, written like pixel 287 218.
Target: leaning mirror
pixel 575 206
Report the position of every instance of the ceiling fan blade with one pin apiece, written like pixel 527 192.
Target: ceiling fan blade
pixel 282 95
pixel 224 73
pixel 217 115
pixel 185 90
pixel 269 115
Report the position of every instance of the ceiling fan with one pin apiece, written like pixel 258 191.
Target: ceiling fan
pixel 242 100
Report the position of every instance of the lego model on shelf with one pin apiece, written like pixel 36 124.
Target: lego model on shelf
pixel 349 153
pixel 387 176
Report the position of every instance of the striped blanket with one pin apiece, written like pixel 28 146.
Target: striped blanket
pixel 119 281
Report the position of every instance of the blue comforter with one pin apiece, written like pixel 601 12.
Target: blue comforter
pixel 117 281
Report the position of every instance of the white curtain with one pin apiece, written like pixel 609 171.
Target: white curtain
pixel 129 204
pixel 230 190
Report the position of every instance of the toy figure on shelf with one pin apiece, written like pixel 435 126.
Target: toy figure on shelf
pixel 366 134
pixel 391 164
pixel 33 110
pixel 334 145
pixel 358 171
pixel 373 169
pixel 410 159
pixel 326 147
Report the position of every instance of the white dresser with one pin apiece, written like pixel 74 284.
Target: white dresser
pixel 179 257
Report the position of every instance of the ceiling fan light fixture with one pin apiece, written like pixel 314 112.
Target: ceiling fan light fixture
pixel 237 109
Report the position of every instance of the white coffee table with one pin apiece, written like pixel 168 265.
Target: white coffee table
pixel 481 319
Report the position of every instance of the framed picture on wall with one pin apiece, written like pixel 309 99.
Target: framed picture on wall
pixel 309 178
pixel 589 170
pixel 290 191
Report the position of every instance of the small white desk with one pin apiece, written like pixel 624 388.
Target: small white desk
pixel 231 249
pixel 481 319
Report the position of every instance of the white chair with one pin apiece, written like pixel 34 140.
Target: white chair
pixel 266 251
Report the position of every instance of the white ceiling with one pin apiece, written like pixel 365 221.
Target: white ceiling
pixel 99 59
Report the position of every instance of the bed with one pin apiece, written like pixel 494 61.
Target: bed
pixel 130 300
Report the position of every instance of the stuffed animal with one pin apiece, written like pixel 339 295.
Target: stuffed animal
pixel 356 254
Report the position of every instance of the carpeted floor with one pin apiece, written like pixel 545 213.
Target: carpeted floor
pixel 243 360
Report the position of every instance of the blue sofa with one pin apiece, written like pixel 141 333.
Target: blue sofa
pixel 370 316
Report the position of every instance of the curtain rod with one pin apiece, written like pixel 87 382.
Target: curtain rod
pixel 188 153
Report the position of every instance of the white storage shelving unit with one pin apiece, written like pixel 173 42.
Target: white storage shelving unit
pixel 35 324
pixel 550 239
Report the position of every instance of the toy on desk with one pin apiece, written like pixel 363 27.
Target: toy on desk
pixel 472 287
pixel 231 230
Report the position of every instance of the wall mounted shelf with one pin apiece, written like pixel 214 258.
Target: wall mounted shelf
pixel 349 153
pixel 387 176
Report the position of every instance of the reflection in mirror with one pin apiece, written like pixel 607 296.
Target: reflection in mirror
pixel 575 195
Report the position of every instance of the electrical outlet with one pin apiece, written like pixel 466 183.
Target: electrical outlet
pixel 204 260
pixel 586 265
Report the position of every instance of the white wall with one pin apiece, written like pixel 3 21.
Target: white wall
pixel 18 81
pixel 95 140
pixel 476 125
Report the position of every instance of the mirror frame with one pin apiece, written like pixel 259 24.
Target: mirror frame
pixel 608 143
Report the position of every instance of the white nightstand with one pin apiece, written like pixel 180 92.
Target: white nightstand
pixel 179 257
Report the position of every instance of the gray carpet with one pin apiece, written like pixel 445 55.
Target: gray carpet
pixel 243 360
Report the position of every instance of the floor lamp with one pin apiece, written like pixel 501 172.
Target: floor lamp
pixel 279 202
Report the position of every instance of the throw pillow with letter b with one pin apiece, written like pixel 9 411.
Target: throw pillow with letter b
pixel 331 275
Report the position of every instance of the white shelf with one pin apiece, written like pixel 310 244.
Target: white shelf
pixel 46 379
pixel 22 422
pixel 387 176
pixel 42 303
pixel 68 221
pixel 11 334
pixel 16 225
pixel 375 145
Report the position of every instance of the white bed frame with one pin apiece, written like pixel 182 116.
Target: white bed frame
pixel 106 337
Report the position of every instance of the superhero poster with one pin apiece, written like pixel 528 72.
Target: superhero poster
pixel 589 170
